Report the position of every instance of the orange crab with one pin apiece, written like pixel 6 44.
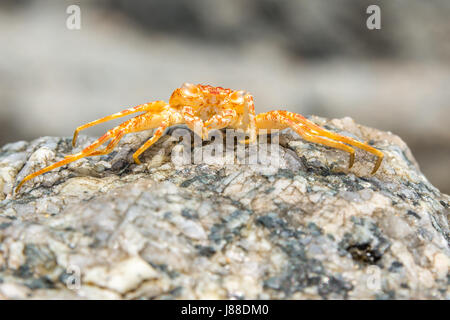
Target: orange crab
pixel 203 108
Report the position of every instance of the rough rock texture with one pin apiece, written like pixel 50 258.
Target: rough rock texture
pixel 104 227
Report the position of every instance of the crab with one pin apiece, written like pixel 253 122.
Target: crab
pixel 203 108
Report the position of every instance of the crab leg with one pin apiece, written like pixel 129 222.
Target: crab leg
pixel 71 158
pixel 311 132
pixel 112 144
pixel 279 120
pixel 142 122
pixel 299 118
pixel 140 108
pixel 249 112
pixel 330 143
pixel 156 135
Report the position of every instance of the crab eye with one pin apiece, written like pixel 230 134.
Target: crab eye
pixel 190 89
pixel 237 97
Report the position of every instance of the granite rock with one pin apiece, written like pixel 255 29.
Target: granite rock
pixel 300 227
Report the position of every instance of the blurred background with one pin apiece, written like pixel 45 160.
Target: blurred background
pixel 307 56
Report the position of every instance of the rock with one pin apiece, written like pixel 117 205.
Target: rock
pixel 297 224
pixel 123 276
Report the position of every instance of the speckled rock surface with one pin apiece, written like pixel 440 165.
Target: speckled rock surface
pixel 104 227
